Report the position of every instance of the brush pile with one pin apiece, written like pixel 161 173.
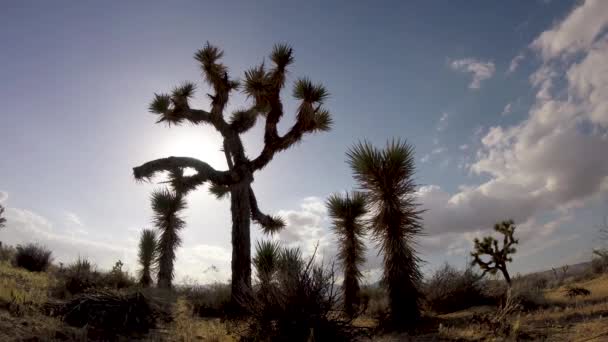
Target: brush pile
pixel 112 313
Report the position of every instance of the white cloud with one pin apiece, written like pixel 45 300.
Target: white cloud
pixel 550 162
pixel 425 158
pixel 464 147
pixel 3 196
pixel 576 33
pixel 507 110
pixel 72 218
pixel 443 122
pixel 480 70
pixel 515 63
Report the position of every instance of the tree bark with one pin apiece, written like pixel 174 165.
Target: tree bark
pixel 506 275
pixel 241 243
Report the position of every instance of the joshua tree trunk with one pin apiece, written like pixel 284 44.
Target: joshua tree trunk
pixel 506 275
pixel 241 243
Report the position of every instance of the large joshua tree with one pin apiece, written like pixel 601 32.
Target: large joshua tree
pixel 263 86
pixel 147 256
pixel 385 177
pixel 347 214
pixel 498 256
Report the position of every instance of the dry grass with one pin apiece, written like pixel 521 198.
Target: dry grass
pixel 21 287
pixel 597 286
pixel 186 327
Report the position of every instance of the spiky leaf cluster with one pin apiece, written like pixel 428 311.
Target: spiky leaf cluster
pixel 147 255
pixel 498 255
pixel 347 214
pixel 386 178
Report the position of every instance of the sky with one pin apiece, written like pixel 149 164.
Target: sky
pixel 505 102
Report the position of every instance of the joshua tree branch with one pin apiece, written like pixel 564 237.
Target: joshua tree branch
pixel 204 171
pixel 269 223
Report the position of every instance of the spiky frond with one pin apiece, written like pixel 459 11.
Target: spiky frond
pixel 386 177
pixel 243 120
pixel 266 259
pixel 160 104
pixel 219 191
pixel 166 202
pixel 185 90
pixel 282 55
pixel 347 213
pixel 322 121
pixel 216 74
pixel 308 92
pixel 257 82
pixel 147 255
pixel 272 224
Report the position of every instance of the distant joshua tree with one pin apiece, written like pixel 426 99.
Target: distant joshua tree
pixel 147 255
pixel 499 257
pixel 347 214
pixel 263 85
pixel 2 219
pixel 385 176
pixel 166 204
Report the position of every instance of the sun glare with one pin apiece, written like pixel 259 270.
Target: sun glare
pixel 195 144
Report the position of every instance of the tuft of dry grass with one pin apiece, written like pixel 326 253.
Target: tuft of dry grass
pixel 186 327
pixel 21 287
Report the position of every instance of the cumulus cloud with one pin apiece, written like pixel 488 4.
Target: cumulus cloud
pixel 507 110
pixel 74 219
pixel 480 70
pixel 3 196
pixel 515 63
pixel 550 162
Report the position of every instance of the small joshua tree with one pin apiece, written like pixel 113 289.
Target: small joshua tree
pixel 147 255
pixel 2 219
pixel 167 203
pixel 386 178
pixel 346 213
pixel 263 86
pixel 499 257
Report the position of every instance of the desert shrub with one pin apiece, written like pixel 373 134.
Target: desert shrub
pixel 297 303
pixel 7 253
pixel 527 294
pixel 374 301
pixel 599 263
pixel 107 314
pixel 33 257
pixel 82 275
pixel 450 289
pixel 207 300
pixel 574 291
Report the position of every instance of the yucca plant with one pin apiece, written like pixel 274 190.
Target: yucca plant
pixel 166 205
pixel 263 85
pixel 386 178
pixel 347 214
pixel 147 256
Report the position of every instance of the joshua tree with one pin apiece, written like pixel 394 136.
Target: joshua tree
pixel 263 85
pixel 499 257
pixel 166 205
pixel 346 213
pixel 2 219
pixel 385 176
pixel 147 255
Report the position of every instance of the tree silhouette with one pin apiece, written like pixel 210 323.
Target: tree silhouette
pixel 263 85
pixel 166 204
pixel 147 255
pixel 2 219
pixel 385 176
pixel 346 213
pixel 499 257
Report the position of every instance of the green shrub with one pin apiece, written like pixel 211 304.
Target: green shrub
pixel 33 257
pixel 7 253
pixel 82 276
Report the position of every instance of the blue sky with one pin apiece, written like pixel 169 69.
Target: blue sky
pixel 504 102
